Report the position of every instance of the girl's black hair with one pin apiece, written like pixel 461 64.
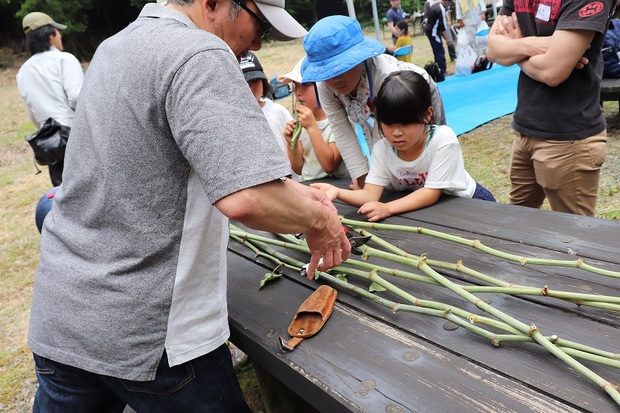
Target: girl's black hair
pixel 38 40
pixel 404 98
pixel 404 26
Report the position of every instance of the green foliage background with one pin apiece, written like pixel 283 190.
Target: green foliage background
pixel 90 21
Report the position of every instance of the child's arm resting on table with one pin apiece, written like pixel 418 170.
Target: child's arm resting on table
pixel 356 198
pixel 423 197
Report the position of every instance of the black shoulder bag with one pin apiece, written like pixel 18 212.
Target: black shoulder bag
pixel 49 142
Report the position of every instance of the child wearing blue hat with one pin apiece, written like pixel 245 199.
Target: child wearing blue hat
pixel 350 69
pixel 415 156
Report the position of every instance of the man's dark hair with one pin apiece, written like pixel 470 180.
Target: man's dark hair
pixel 39 40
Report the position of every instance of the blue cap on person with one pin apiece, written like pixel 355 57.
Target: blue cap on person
pixel 43 207
pixel 334 45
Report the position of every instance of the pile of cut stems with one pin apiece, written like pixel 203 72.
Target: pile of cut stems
pixel 486 326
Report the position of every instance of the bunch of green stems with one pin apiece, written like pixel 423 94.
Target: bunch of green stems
pixel 512 330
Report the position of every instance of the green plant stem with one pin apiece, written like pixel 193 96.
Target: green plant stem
pixel 530 330
pixel 284 260
pixel 296 133
pixel 579 263
pixel 592 300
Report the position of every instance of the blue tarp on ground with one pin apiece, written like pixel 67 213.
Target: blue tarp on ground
pixel 473 100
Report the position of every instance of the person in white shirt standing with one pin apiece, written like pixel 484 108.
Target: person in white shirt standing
pixel 50 81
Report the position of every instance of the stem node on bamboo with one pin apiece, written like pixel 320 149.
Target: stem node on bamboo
pixel 545 290
pixel 533 330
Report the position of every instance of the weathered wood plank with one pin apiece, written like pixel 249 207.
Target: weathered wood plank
pixel 593 238
pixel 522 231
pixel 525 363
pixel 357 363
pixel 588 237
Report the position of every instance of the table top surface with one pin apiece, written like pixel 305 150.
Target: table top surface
pixel 369 358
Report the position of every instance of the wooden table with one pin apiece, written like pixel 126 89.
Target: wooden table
pixel 610 90
pixel 367 358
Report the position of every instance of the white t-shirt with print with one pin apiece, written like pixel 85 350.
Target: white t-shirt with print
pixel 440 166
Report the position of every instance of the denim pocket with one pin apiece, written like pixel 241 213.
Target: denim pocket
pixel 166 382
pixel 41 365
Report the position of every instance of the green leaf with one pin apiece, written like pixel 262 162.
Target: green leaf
pixel 374 287
pixel 270 276
pixel 342 277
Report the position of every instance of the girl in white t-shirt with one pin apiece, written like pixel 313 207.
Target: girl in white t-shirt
pixel 412 156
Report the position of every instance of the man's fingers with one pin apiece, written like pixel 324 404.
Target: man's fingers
pixel 314 261
pixel 328 261
pixel 345 248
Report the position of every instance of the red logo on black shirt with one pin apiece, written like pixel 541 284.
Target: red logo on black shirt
pixel 591 9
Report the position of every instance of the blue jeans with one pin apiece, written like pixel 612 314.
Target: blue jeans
pixel 205 384
pixel 482 193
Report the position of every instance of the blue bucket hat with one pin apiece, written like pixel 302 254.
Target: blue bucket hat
pixel 334 45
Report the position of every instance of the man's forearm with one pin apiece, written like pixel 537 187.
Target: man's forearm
pixel 507 51
pixel 274 207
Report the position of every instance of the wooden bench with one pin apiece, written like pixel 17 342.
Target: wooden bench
pixel 610 90
pixel 368 358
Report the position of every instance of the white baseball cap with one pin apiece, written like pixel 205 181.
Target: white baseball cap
pixel 285 27
pixel 294 75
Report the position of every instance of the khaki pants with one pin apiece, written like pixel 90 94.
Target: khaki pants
pixel 565 172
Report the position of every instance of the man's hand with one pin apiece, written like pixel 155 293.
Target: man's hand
pixel 314 193
pixel 509 26
pixel 328 242
pixel 583 62
pixel 330 190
